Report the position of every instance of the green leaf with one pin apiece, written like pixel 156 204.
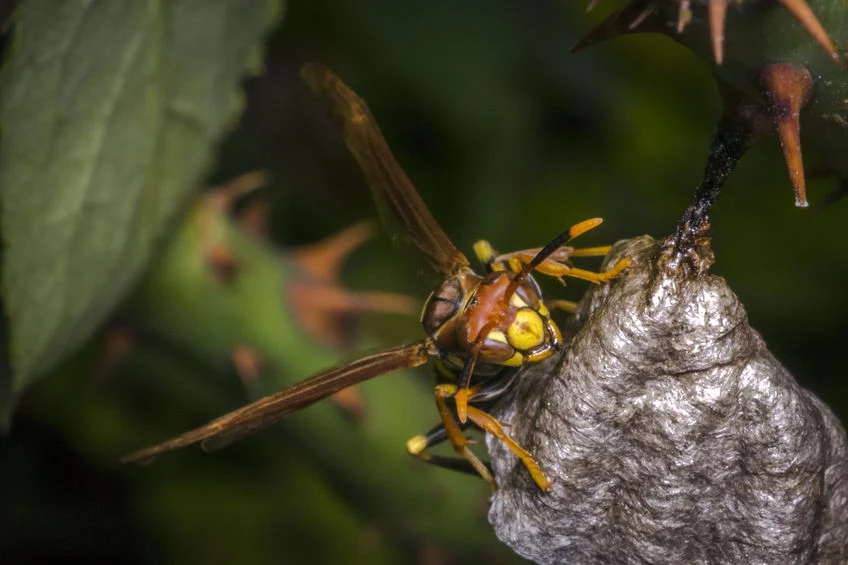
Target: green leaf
pixel 110 113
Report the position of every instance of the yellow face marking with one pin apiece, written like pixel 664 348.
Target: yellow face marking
pixel 527 331
pixel 497 335
pixel 543 310
pixel 516 360
pixel 517 301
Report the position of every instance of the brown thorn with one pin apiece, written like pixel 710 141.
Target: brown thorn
pixel 789 88
pixel 591 6
pixel 222 262
pixel 322 260
pixel 248 365
pixel 804 14
pixel 718 14
pixel 634 14
pixel 223 196
pixel 336 299
pixel 215 204
pixel 649 9
pixel 253 219
pixel 383 303
pixel 320 308
pixel 684 15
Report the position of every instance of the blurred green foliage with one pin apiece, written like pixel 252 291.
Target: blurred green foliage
pixel 507 136
pixel 110 114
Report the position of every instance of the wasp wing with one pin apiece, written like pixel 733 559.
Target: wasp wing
pixel 390 185
pixel 271 409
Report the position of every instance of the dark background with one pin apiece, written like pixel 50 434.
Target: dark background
pixel 507 136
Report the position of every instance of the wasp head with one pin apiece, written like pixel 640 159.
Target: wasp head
pixel 501 320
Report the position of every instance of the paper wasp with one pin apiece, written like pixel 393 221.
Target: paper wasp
pixel 482 329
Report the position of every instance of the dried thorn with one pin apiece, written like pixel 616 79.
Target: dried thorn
pixel 311 309
pixel 320 304
pixel 253 219
pixel 789 88
pixel 337 300
pixel 634 14
pixel 383 303
pixel 684 15
pixel 591 6
pixel 649 9
pixel 216 203
pixel 222 262
pixel 322 260
pixel 718 14
pixel 224 196
pixel 322 308
pixel 248 365
pixel 804 14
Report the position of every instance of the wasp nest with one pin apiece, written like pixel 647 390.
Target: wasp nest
pixel 670 432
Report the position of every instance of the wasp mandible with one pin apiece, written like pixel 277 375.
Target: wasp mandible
pixel 481 329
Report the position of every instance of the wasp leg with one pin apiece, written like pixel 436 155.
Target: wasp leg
pixel 454 433
pixel 492 426
pixel 599 251
pixel 517 259
pixel 418 446
pixel 555 264
pixel 555 269
pixel 563 305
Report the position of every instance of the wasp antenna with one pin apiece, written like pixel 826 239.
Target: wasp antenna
pixel 461 396
pixel 468 369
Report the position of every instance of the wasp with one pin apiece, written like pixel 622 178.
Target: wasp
pixel 482 329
